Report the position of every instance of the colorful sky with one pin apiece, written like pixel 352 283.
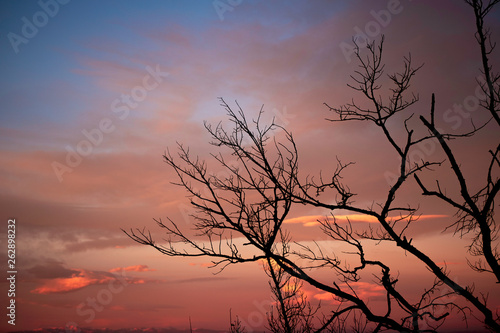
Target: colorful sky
pixel 120 81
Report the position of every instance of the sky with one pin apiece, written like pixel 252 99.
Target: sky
pixel 92 93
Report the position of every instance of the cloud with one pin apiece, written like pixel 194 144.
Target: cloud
pixel 364 290
pixel 83 278
pixel 77 281
pixel 308 221
pixel 135 268
pixel 68 237
pixel 51 269
pixel 312 220
pixel 326 297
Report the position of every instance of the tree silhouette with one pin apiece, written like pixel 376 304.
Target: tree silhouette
pixel 254 197
pixel 293 312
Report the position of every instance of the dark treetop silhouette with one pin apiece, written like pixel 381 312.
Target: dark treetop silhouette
pixel 254 197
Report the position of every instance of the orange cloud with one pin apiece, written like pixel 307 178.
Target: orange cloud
pixel 326 297
pixel 75 282
pixel 306 220
pixel 364 290
pixel 86 278
pixel 135 268
pixel 312 220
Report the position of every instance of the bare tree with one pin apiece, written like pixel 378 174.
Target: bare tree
pixel 235 326
pixel 294 313
pixel 254 197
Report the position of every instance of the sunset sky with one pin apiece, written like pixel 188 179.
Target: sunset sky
pixel 94 93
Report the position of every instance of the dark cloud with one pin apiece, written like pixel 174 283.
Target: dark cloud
pixel 51 269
